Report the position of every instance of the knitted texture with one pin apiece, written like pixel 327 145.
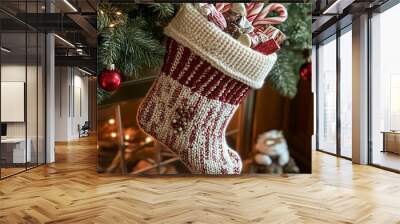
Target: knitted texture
pixel 206 74
pixel 188 109
pixel 228 55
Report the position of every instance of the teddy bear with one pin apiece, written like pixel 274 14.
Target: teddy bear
pixel 271 155
pixel 271 145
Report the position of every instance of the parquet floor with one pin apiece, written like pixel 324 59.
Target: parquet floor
pixel 70 191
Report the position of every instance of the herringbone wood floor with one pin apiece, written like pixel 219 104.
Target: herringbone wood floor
pixel 70 191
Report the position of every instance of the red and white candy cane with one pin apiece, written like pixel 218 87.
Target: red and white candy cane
pixel 267 32
pixel 223 7
pixel 262 19
pixel 253 9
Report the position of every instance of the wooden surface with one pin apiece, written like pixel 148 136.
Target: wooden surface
pixel 293 116
pixel 10 171
pixel 71 191
pixel 386 159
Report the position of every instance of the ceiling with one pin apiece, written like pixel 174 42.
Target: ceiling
pixel 74 22
pixel 330 15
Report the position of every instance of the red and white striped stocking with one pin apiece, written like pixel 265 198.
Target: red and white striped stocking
pixel 190 105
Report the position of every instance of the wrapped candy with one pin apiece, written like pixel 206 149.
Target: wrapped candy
pixel 248 23
pixel 257 38
pixel 237 24
pixel 212 14
pixel 268 47
pixel 269 32
pixel 267 39
pixel 218 19
pixel 275 34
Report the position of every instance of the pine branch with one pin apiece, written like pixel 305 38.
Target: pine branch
pixel 102 95
pixel 135 43
pixel 138 50
pixel 130 37
pixel 130 47
pixel 284 77
pixel 164 10
pixel 109 47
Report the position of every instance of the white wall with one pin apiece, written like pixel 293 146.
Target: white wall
pixel 12 73
pixel 61 103
pixel 16 73
pixel 71 102
pixel 33 127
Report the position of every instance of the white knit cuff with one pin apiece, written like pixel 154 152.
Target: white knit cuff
pixel 192 30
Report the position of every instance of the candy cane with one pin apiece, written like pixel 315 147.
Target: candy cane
pixel 220 6
pixel 262 18
pixel 249 6
pixel 262 34
pixel 275 33
pixel 253 11
pixel 223 7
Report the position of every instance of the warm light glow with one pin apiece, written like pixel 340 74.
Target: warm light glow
pixel 111 121
pixel 113 134
pixel 127 137
pixel 111 25
pixel 148 139
pixel 118 13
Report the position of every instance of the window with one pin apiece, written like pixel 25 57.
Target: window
pixel 346 93
pixel 385 89
pixel 22 90
pixel 326 136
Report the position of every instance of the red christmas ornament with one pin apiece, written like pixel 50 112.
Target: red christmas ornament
pixel 305 71
pixel 110 79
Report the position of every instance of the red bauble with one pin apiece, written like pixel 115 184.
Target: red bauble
pixel 110 80
pixel 305 71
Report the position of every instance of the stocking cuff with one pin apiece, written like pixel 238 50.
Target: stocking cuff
pixel 228 55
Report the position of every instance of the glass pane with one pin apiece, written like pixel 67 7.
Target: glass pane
pixel 346 94
pixel 41 98
pixel 327 97
pixel 13 86
pixel 385 86
pixel 31 98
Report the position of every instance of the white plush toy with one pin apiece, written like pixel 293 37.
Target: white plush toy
pixel 271 144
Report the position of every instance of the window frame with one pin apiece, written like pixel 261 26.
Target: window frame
pixel 334 37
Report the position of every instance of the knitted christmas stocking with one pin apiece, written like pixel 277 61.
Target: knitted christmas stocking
pixel 206 74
